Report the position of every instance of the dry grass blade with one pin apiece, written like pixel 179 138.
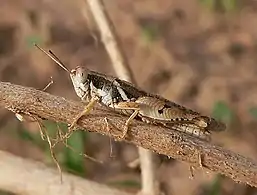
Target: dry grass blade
pixel 51 147
pixel 63 138
pixel 44 136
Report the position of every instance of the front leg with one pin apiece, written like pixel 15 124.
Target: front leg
pixel 86 110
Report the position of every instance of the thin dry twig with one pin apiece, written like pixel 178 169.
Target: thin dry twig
pixel 110 40
pixel 120 64
pixel 49 84
pixel 45 137
pixel 165 141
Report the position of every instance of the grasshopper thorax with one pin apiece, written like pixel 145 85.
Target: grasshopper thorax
pixel 79 78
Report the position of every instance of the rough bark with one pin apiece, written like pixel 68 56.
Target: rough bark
pixel 175 144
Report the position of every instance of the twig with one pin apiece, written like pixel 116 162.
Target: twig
pixel 165 141
pixel 121 67
pixel 22 176
pixel 45 136
pixel 110 40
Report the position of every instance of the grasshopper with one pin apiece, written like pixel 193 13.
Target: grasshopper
pixel 127 99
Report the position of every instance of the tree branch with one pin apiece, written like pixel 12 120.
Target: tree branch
pixel 172 143
pixel 23 176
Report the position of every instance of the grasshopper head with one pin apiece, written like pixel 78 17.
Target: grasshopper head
pixel 215 125
pixel 79 78
pixel 210 124
pixel 78 75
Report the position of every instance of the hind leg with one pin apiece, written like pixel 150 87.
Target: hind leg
pixel 128 106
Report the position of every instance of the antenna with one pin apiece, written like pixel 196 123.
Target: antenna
pixel 53 57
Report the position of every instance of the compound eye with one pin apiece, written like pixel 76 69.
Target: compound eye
pixel 73 72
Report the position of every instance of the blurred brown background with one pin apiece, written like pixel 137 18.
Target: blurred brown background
pixel 199 53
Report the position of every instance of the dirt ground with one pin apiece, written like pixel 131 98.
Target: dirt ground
pixel 180 49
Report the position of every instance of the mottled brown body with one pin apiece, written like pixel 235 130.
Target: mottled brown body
pixel 127 99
